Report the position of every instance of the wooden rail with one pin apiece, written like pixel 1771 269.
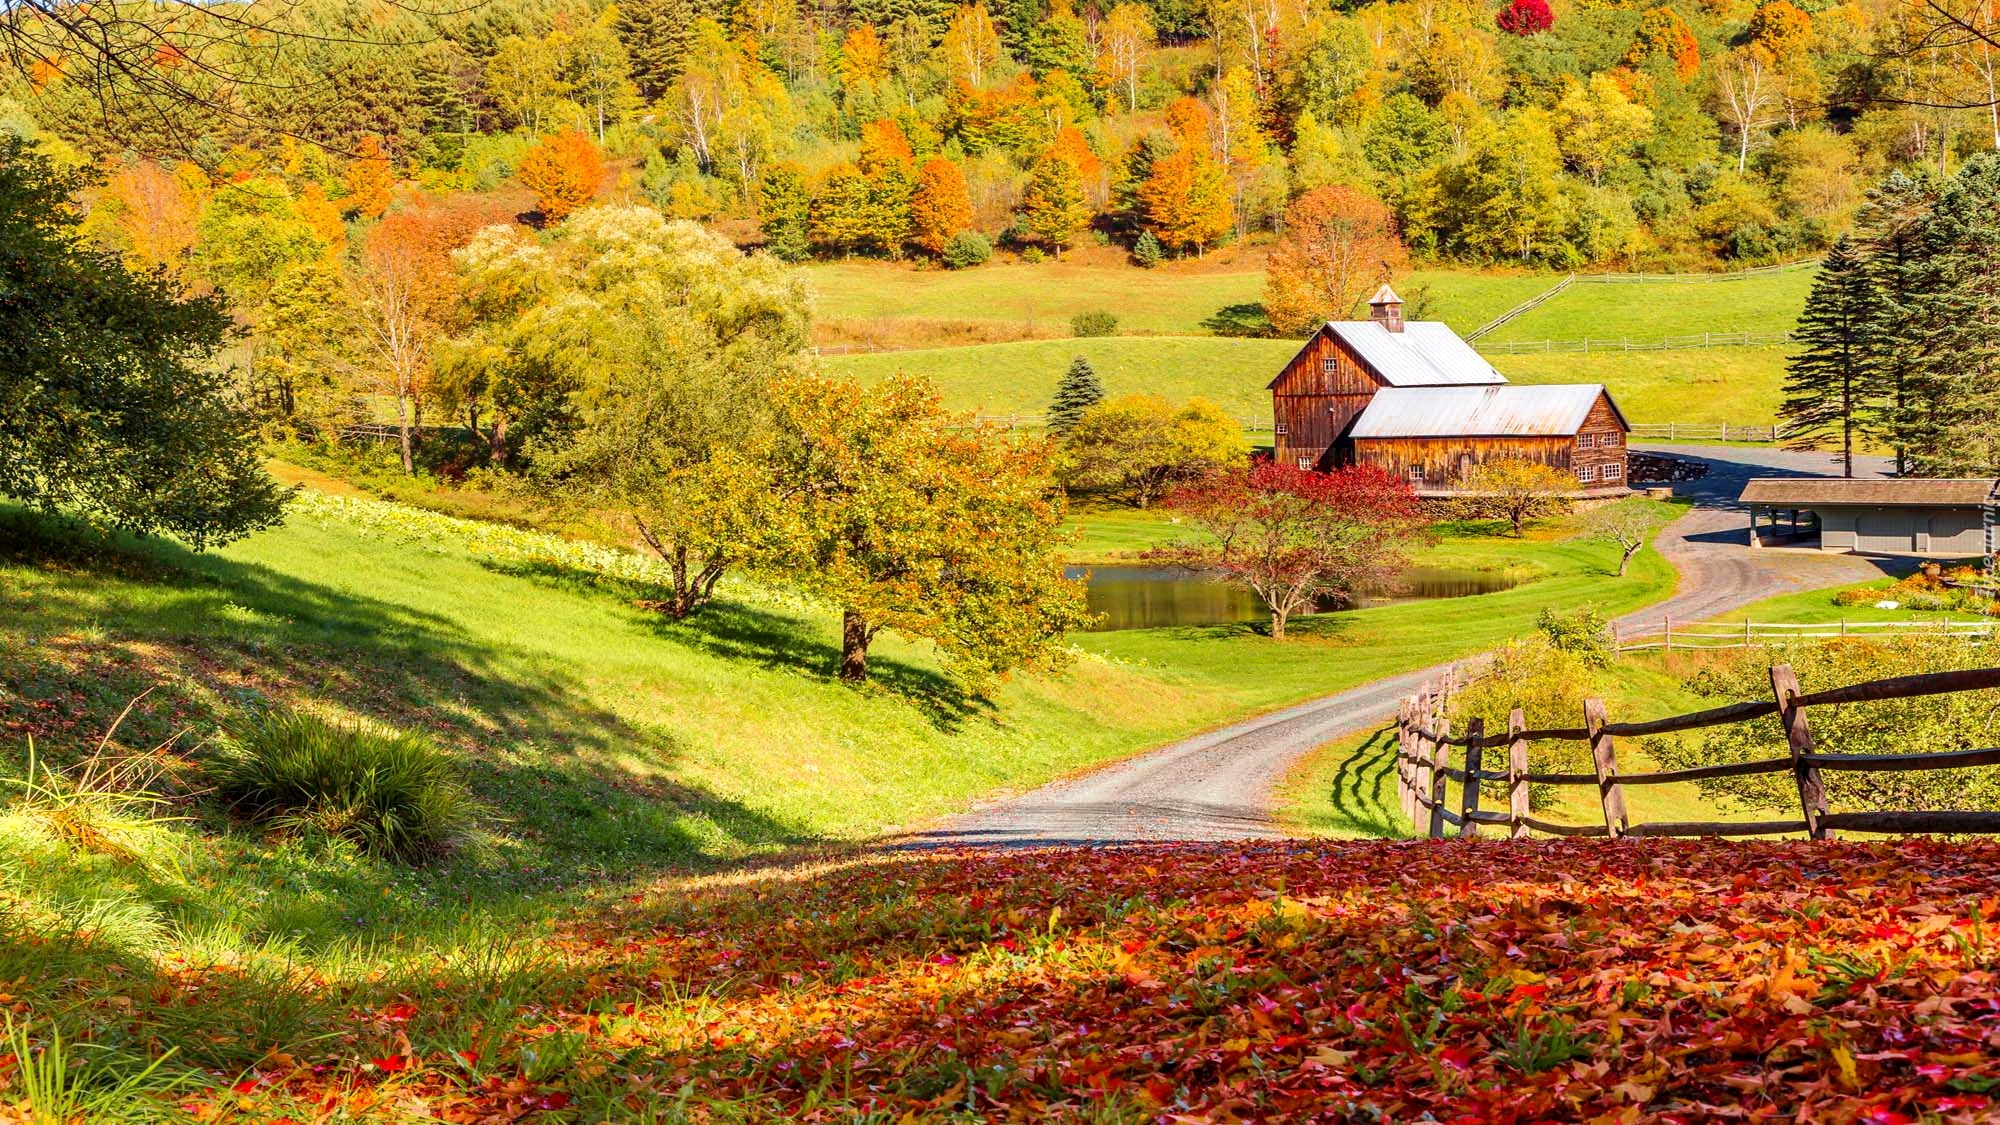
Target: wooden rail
pixel 1669 634
pixel 1726 431
pixel 1585 345
pixel 1423 764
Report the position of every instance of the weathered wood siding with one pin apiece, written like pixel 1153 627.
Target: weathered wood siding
pixel 1315 397
pixel 1600 443
pixel 1445 461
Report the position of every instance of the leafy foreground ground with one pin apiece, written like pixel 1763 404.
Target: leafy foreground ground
pixel 1466 982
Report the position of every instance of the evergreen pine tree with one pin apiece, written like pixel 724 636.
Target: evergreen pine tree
pixel 1946 323
pixel 1890 234
pixel 1830 379
pixel 658 35
pixel 1079 391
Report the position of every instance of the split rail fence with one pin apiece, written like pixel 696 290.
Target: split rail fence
pixel 1424 764
pixel 1669 634
pixel 1727 431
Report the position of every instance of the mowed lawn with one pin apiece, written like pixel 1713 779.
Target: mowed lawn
pixel 1174 299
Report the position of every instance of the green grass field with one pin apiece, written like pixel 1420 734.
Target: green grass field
pixel 1020 378
pixel 1171 300
pixel 1699 386
pixel 1652 310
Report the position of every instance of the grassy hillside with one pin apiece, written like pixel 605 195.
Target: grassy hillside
pixel 1698 385
pixel 1020 378
pixel 1651 310
pixel 1735 385
pixel 1172 300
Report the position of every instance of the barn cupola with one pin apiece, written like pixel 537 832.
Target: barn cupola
pixel 1386 309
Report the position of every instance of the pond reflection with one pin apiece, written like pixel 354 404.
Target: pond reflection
pixel 1156 597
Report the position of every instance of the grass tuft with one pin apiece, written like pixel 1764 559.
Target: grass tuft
pixel 392 793
pixel 48 1084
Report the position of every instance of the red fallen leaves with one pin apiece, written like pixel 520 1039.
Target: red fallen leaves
pixel 1645 981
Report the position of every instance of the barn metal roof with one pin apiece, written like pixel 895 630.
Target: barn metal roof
pixel 1503 411
pixel 1426 353
pixel 1806 492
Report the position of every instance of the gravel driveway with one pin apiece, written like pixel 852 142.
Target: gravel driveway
pixel 1218 785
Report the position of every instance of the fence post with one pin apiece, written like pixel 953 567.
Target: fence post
pixel 1440 761
pixel 1798 736
pixel 1604 757
pixel 1403 736
pixel 1517 775
pixel 1746 633
pixel 1420 752
pixel 1468 798
pixel 1667 631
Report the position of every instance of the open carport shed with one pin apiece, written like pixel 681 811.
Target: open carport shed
pixel 1954 518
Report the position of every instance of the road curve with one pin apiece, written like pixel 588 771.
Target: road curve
pixel 1218 785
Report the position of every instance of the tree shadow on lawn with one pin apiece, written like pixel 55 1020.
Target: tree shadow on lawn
pixel 226 635
pixel 738 631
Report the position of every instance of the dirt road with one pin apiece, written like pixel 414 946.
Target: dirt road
pixel 1218 786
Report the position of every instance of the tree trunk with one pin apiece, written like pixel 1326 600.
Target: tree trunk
pixel 496 443
pixel 1278 624
pixel 1626 559
pixel 854 637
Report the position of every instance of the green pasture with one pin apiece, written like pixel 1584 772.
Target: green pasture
pixel 1698 386
pixel 1644 311
pixel 1170 300
pixel 1020 378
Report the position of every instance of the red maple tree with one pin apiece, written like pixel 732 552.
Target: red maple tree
pixel 1297 537
pixel 1526 17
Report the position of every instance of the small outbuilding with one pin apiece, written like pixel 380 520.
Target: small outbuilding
pixel 1885 516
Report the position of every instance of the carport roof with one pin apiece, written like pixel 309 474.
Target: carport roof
pixel 1808 492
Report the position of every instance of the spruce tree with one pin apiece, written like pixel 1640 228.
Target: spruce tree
pixel 1946 323
pixel 1890 235
pixel 1078 392
pixel 1829 381
pixel 658 35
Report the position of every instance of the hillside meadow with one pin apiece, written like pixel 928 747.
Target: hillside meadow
pixel 1164 346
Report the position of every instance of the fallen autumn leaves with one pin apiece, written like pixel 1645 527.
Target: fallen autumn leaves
pixel 1474 982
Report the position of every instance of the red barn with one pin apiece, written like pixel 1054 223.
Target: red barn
pixel 1414 399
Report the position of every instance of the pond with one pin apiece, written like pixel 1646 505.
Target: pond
pixel 1153 597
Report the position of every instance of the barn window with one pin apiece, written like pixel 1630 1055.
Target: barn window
pixel 1587 473
pixel 1284 429
pixel 1586 441
pixel 1611 438
pixel 1330 365
pixel 1613 472
pixel 1306 463
pixel 1417 474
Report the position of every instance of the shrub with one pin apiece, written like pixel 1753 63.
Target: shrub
pixel 1146 251
pixel 1033 256
pixel 1582 632
pixel 1098 323
pixel 966 249
pixel 1526 17
pixel 1955 721
pixel 394 794
pixel 1549 686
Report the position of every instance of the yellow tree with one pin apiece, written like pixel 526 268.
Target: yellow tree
pixel 972 46
pixel 1596 124
pixel 368 179
pixel 1053 206
pixel 863 62
pixel 1185 200
pixel 1125 36
pixel 155 213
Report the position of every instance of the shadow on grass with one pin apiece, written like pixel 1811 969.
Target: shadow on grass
pixel 1246 320
pixel 1356 790
pixel 117 616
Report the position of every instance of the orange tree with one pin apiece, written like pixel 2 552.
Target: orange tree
pixel 941 207
pixel 912 518
pixel 564 172
pixel 1337 243
pixel 1185 200
pixel 368 179
pixel 1297 538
